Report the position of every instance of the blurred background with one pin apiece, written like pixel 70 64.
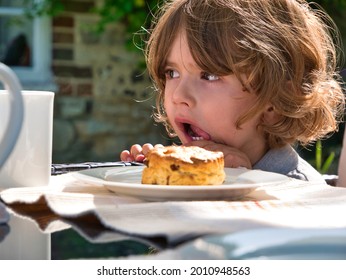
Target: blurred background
pixel 89 53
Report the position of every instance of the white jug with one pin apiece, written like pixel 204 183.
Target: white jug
pixel 13 128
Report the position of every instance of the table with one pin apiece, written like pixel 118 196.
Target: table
pixel 270 212
pixel 21 239
pixel 40 246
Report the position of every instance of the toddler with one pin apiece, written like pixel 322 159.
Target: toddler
pixel 250 78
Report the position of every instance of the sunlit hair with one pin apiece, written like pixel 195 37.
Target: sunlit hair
pixel 286 50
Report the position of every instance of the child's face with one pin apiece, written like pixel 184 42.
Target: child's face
pixel 201 105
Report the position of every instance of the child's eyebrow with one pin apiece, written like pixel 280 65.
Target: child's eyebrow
pixel 170 63
pixel 188 66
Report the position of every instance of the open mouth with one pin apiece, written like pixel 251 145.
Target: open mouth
pixel 195 133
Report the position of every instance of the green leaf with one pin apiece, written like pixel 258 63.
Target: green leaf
pixel 322 167
pixel 318 155
pixel 327 163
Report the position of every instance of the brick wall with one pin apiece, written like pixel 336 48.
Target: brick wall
pixel 104 99
pixel 70 78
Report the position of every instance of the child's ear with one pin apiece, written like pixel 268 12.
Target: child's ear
pixel 270 116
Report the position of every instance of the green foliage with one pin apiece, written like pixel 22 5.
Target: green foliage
pixel 322 167
pixel 134 14
pixel 332 6
pixel 44 7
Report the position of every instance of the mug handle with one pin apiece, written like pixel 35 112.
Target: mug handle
pixel 14 125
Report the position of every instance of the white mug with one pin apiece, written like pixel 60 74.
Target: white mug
pixel 29 164
pixel 11 126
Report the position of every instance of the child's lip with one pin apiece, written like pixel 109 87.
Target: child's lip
pixel 191 131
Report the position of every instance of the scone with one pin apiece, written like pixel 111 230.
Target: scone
pixel 180 165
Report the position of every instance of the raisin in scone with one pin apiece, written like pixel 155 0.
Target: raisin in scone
pixel 180 165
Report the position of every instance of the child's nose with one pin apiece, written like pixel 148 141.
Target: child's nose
pixel 185 93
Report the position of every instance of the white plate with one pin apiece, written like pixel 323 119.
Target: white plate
pixel 127 181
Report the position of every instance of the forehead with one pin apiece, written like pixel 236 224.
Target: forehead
pixel 180 53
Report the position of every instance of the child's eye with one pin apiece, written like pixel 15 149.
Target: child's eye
pixel 171 74
pixel 209 77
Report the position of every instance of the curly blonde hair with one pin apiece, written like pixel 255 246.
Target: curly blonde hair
pixel 286 50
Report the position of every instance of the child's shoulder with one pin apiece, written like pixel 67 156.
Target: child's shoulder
pixel 286 161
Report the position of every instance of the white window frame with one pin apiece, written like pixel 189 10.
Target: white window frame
pixel 39 73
